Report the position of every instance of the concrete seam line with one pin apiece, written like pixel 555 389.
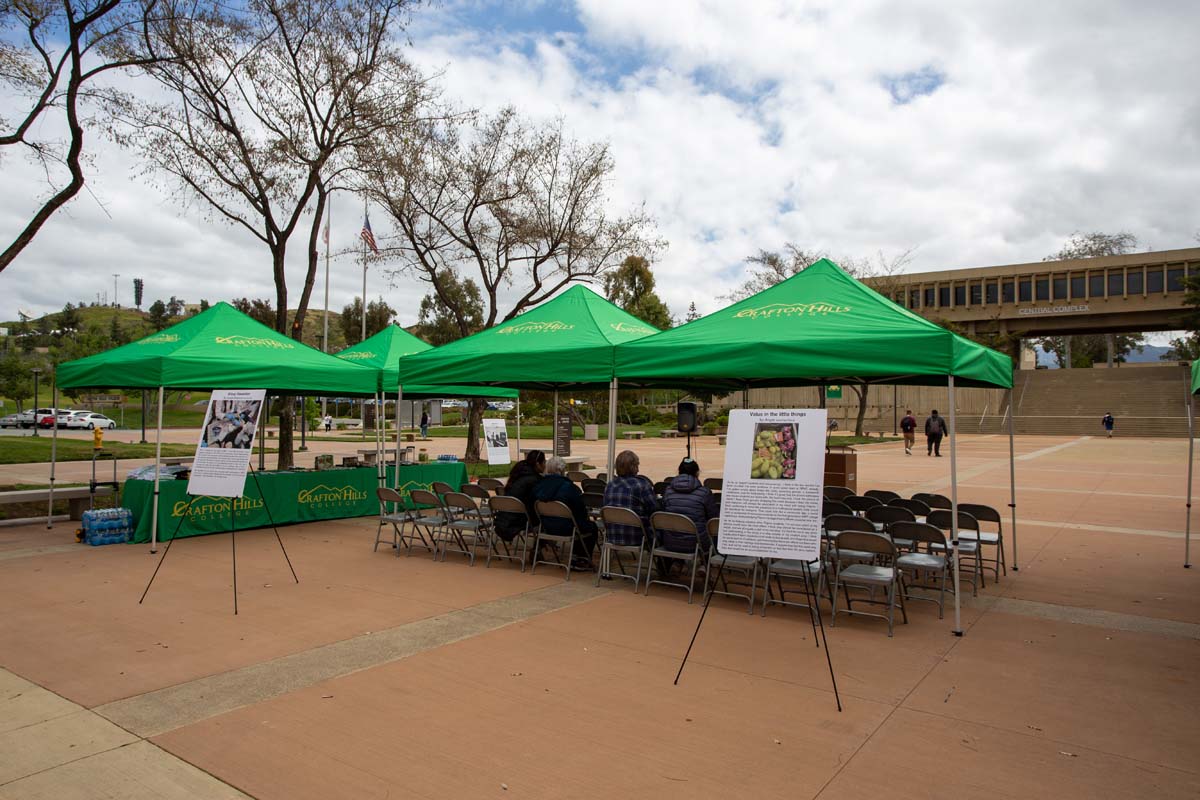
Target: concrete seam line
pixel 173 707
pixel 1096 618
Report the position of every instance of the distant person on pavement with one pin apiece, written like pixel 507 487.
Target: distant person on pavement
pixel 424 424
pixel 328 423
pixel 935 429
pixel 909 426
pixel 1107 421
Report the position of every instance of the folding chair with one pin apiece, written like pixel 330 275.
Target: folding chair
pixel 869 576
pixel 501 504
pixel 933 500
pixel 430 522
pixel 661 521
pixel 660 487
pixel 594 502
pixel 838 523
pixel 480 495
pixel 967 548
pixel 859 505
pixel 934 558
pixel 882 517
pixel 719 564
pixel 440 487
pixel 919 508
pixel 623 517
pixel 594 485
pixel 714 484
pixel 466 521
pixel 493 485
pixel 830 507
pixel 397 517
pixel 882 495
pixel 554 509
pixel 793 569
pixel 837 492
pixel 994 538
pixel 575 476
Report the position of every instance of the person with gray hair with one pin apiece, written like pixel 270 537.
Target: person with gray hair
pixel 555 485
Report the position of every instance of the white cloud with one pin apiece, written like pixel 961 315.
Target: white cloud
pixel 744 126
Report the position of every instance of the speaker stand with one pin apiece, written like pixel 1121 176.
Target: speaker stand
pixel 689 444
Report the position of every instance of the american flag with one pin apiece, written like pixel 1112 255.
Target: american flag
pixel 367 236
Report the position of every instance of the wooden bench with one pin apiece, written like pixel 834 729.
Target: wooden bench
pixel 370 457
pixel 634 434
pixel 668 434
pixel 77 497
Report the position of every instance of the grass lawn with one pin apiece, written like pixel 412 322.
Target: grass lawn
pixel 30 450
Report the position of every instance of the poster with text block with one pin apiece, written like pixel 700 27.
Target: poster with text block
pixel 495 434
pixel 773 483
pixel 226 443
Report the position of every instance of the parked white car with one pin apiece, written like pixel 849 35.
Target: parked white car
pixel 501 405
pixel 90 420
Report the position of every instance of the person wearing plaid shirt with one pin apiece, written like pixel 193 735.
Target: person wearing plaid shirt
pixel 629 490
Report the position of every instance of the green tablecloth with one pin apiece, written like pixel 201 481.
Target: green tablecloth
pixel 290 497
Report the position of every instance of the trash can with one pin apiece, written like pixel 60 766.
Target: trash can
pixel 591 433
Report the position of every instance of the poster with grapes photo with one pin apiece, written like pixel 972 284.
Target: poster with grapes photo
pixel 774 455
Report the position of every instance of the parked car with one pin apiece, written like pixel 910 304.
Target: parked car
pixel 78 419
pixel 27 419
pixel 10 421
pixel 92 420
pixel 501 405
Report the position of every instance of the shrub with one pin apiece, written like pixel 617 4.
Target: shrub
pixel 723 421
pixel 710 428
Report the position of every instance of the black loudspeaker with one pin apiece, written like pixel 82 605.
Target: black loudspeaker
pixel 686 416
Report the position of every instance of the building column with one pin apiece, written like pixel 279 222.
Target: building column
pixel 1108 340
pixel 1067 365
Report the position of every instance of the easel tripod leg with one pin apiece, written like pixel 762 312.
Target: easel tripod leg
pixel 695 633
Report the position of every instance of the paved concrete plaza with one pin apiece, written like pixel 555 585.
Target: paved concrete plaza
pixel 379 676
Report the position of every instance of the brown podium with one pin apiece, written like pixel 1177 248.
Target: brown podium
pixel 841 467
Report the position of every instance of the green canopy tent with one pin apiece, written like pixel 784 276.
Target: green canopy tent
pixel 1187 526
pixel 382 353
pixel 565 343
pixel 217 347
pixel 821 327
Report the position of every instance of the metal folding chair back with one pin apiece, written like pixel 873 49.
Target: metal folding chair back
pixel 941 518
pixel 502 504
pixel 396 516
pixel 493 485
pixel 576 476
pixel 430 521
pixel 837 492
pixel 882 495
pixel 861 504
pixel 661 521
pixel 593 485
pixel 441 487
pixel 886 515
pixel 988 538
pixel 467 522
pixel 475 490
pixel 919 508
pixel 660 487
pixel 869 575
pixel 715 484
pixel 554 509
pixel 933 500
pixel 714 527
pixel 593 500
pixel 968 546
pixel 836 523
pixel 930 556
pixel 831 507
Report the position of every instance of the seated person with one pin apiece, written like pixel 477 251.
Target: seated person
pixel 633 491
pixel 555 485
pixel 522 479
pixel 687 496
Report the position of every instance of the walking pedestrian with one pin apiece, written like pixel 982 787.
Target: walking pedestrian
pixel 935 429
pixel 424 424
pixel 328 423
pixel 1107 421
pixel 909 426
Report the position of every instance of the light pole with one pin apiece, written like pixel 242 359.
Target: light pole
pixel 115 276
pixel 36 372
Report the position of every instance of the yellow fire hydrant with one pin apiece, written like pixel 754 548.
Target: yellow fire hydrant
pixel 97 439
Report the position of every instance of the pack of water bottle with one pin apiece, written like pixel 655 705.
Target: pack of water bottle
pixel 447 457
pixel 107 526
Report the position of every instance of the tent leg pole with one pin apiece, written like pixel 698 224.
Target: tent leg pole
pixel 554 427
pixel 612 428
pixel 157 468
pixel 1012 478
pixel 399 400
pixel 518 423
pixel 53 457
pixel 958 631
pixel 1187 525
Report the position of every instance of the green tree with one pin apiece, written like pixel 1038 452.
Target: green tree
pixel 444 320
pixel 16 381
pixel 1095 244
pixel 139 287
pixel 379 316
pixel 158 315
pixel 631 286
pixel 69 321
pixel 115 333
pixel 257 309
pixel 692 313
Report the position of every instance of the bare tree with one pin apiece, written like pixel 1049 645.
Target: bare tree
pixel 269 101
pixel 521 209
pixel 51 68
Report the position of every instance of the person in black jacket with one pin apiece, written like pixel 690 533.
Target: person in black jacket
pixel 522 479
pixel 935 429
pixel 555 485
pixel 687 496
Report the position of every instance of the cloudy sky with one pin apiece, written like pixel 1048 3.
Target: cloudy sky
pixel 974 133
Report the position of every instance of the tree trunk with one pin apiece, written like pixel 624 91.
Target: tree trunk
pixel 286 419
pixel 474 424
pixel 861 391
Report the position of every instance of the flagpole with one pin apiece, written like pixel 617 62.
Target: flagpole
pixel 363 338
pixel 325 332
